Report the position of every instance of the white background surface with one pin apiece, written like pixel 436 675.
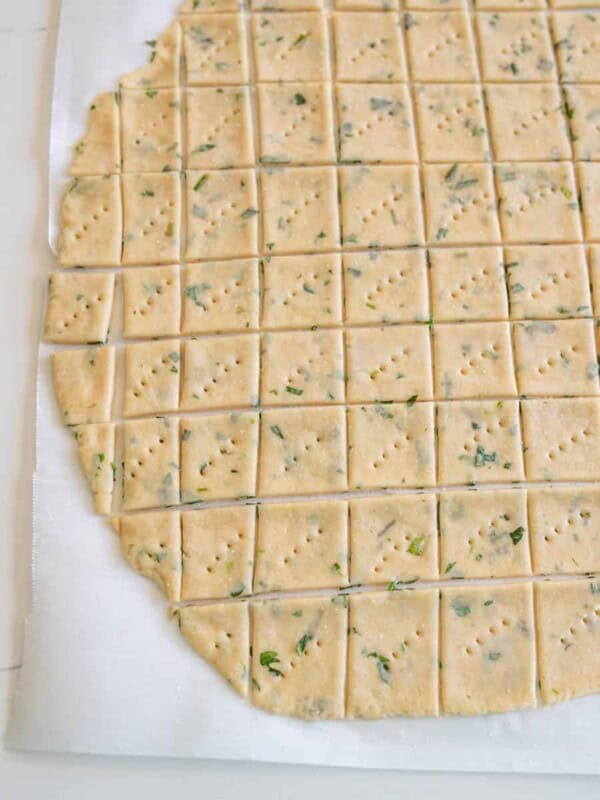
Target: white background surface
pixel 27 31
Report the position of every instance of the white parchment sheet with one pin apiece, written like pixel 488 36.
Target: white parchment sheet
pixel 104 670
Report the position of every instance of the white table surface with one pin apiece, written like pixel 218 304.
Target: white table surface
pixel 27 38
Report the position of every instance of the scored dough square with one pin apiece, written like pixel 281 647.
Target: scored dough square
pixel 219 454
pixel 588 176
pixel 483 534
pixel 487 649
pixel 152 375
pixel 151 543
pixel 547 282
pixel 98 152
pixel 515 46
pixel 90 223
pixel 440 46
pixel 300 209
pixel 151 302
pixel 303 450
pixel 582 109
pixel 222 217
pixel 302 367
pixel 79 307
pixel 299 656
pixel 291 47
pixel 164 63
pixel 375 123
pixel 215 49
pixel 538 203
pixel 561 439
pixel 528 123
pixel 479 442
pixel 151 130
pixel 391 363
pixel 565 530
pixel 381 207
pixel 460 204
pixel 219 128
pixel 218 551
pixel 473 360
pixel 451 122
pixel 393 538
pixel 301 546
pixel 302 291
pixel 368 47
pixel 391 446
pixel 151 218
pixel 568 636
pixel 386 287
pixel 220 372
pixel 221 297
pixel 467 284
pixel 296 123
pixel 576 37
pixel 393 655
pixel 556 358
pixel 84 382
pixel 150 463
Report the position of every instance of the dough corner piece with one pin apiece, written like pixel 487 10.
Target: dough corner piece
pixel 220 633
pixel 162 69
pixel 151 544
pixel 96 450
pixel 84 384
pixel 98 151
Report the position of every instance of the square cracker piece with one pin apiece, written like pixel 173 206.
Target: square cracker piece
pixel 96 451
pixel 219 453
pixel 79 307
pixel 483 534
pixel 582 107
pixel 538 203
pixel 479 442
pixel 565 529
pixel 299 656
pixel 391 446
pixel 151 218
pixel 368 47
pixel 152 377
pixel 163 67
pixel 302 367
pixel 151 302
pixel 90 223
pixel 576 37
pixel 487 649
pixel 218 552
pixel 385 287
pixel 392 655
pixel 515 46
pixel 568 634
pixel 440 46
pixel 302 291
pixel 219 127
pixel 151 130
pixel 391 363
pixel 84 382
pixel 150 463
pixel 562 439
pixel 302 546
pixel 151 544
pixel 98 151
pixel 556 358
pixel 291 47
pixel 381 207
pixel 221 214
pixel 588 176
pixel 393 538
pixel 215 49
pixel 467 284
pixel 220 372
pixel 221 297
pixel 300 209
pixel 303 450
pixel 473 360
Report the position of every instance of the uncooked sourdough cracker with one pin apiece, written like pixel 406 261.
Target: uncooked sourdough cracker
pixel 84 384
pixel 152 377
pixel 582 109
pixel 150 463
pixel 151 543
pixel 151 130
pixel 96 451
pixel 151 302
pixel 215 49
pixel 440 47
pixel 515 47
pixel 291 47
pixel 221 296
pixel 151 217
pixel 162 69
pixel 79 307
pixel 368 47
pixel 219 128
pixel 98 151
pixel 576 36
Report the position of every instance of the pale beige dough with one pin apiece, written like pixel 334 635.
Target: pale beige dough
pixel 391 446
pixel 151 302
pixel 79 307
pixel 219 456
pixel 393 538
pixel 582 108
pixel 98 151
pixel 487 649
pixel 393 655
pixel 479 442
pixel 151 130
pixel 84 384
pixel 510 4
pixel 302 367
pixel 285 5
pixel 299 656
pixel 152 377
pixel 221 297
pixel 434 5
pixel 209 6
pixel 151 218
pixel 215 49
pixel 151 544
pixel 367 5
pixel 291 47
pixel 301 546
pixel 440 46
pixel 218 552
pixel 96 451
pixel 588 176
pixel 368 47
pixel 162 69
pixel 576 38
pixel 219 128
pixel 150 463
pixel 515 47
pixel 594 262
